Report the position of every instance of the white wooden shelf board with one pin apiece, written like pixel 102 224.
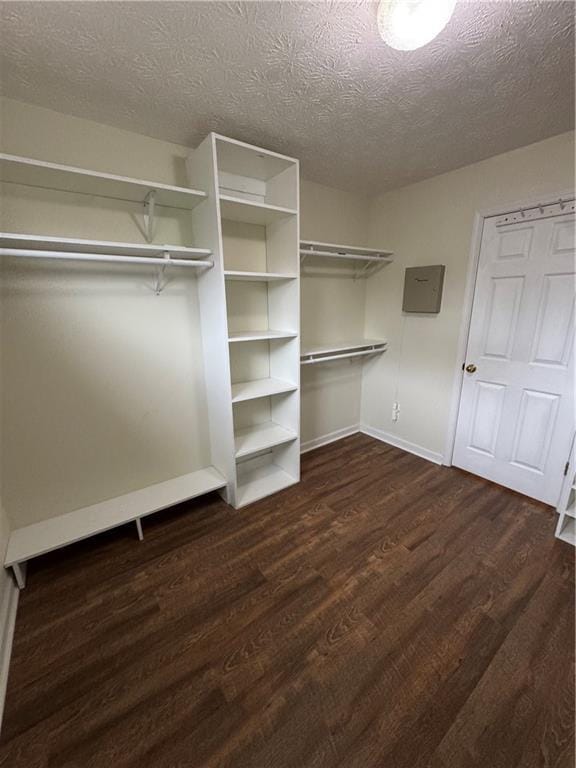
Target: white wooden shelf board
pixel 568 532
pixel 70 244
pixel 67 178
pixel 260 437
pixel 342 346
pixel 571 511
pixel 261 482
pixel 251 390
pixel 260 335
pixel 251 212
pixel 230 274
pixel 45 536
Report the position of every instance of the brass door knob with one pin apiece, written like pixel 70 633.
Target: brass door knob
pixel 471 368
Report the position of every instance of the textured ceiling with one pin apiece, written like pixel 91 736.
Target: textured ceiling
pixel 310 79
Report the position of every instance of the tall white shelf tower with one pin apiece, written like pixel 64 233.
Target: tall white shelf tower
pixel 250 310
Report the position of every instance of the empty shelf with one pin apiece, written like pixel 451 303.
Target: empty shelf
pixel 568 532
pixel 47 535
pixel 260 335
pixel 251 212
pixel 571 511
pixel 72 244
pixel 262 481
pixel 242 159
pixel 231 274
pixel 260 437
pixel 250 390
pixel 67 178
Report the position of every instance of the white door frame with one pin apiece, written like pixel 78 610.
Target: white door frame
pixel 472 272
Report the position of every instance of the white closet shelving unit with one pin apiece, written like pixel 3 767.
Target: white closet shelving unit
pixel 247 220
pixel 250 310
pixel 251 455
pixel 566 526
pixel 365 262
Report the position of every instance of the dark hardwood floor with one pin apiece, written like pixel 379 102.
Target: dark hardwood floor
pixel 384 613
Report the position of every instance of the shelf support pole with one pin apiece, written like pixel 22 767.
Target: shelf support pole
pixel 19 571
pixel 139 530
pixel 149 215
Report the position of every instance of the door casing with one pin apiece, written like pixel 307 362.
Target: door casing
pixel 473 261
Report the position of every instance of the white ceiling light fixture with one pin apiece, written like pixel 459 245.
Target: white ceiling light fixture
pixel 410 24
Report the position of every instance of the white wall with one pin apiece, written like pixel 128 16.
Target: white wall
pixel 332 310
pixel 431 223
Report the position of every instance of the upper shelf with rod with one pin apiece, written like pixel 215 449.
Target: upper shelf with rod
pixel 76 249
pixel 69 245
pixel 364 260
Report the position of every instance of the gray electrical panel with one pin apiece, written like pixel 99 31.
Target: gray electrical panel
pixel 423 289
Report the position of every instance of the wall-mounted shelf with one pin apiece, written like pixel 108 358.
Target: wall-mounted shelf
pixel 364 261
pixel 39 538
pixel 343 351
pixel 252 390
pixel 260 437
pixel 108 247
pixel 68 178
pixel 231 274
pixel 252 212
pixel 260 335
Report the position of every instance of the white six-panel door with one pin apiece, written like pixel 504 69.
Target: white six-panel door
pixel 516 418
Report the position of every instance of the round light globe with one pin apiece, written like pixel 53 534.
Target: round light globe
pixel 410 24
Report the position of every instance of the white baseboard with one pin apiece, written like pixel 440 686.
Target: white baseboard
pixel 9 593
pixel 331 437
pixel 378 434
pixel 405 445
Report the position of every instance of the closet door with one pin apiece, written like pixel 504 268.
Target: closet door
pixel 516 417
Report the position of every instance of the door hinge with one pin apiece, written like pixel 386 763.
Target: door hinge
pixel 566 468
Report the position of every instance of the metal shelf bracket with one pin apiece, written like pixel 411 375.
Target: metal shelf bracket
pixel 160 274
pixel 149 215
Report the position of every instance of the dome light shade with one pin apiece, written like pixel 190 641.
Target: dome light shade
pixel 410 24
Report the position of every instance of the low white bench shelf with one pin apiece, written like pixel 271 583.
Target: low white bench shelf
pixel 47 535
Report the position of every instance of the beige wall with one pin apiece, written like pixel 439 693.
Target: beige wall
pixel 431 223
pixel 332 310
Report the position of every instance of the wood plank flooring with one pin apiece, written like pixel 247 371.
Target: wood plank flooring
pixel 384 613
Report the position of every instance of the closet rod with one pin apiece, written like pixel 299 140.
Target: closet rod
pixel 346 355
pixel 71 256
pixel 334 255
